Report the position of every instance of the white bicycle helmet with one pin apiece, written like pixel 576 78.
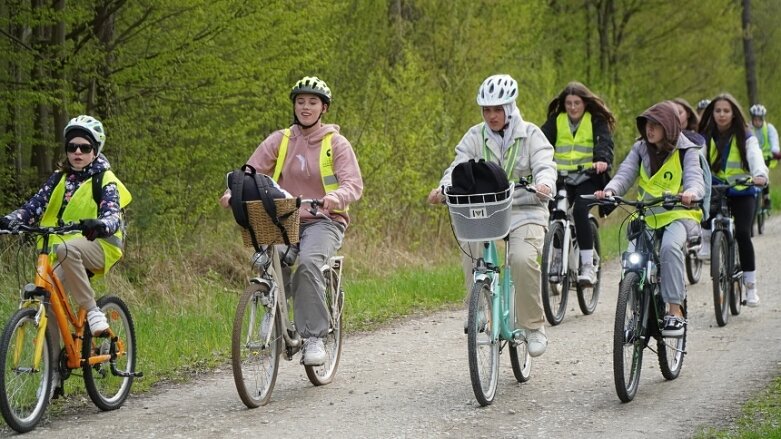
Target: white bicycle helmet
pixel 92 126
pixel 702 104
pixel 497 90
pixel 758 110
pixel 313 85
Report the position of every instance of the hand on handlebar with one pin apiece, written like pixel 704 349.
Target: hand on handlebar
pixel 759 181
pixel 9 223
pixel 543 192
pixel 436 196
pixel 601 195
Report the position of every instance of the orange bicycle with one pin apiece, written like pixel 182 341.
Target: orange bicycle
pixel 27 349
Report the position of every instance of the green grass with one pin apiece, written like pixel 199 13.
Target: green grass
pixel 760 418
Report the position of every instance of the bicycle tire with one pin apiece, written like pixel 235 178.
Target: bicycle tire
pixel 482 350
pixel 627 338
pixel 554 294
pixel 761 221
pixel 254 363
pixel 107 391
pixel 20 382
pixel 737 291
pixel 588 297
pixel 520 360
pixel 693 267
pixel 672 350
pixel 721 274
pixel 334 300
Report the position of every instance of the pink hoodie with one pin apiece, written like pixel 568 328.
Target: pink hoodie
pixel 301 170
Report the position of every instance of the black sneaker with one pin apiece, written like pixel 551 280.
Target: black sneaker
pixel 673 326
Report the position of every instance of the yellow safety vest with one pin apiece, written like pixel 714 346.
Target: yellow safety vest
pixel 668 179
pixel 82 206
pixel 734 170
pixel 572 151
pixel 330 182
pixel 511 158
pixel 764 140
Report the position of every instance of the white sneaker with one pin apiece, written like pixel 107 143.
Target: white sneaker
pixel 588 275
pixel 752 298
pixel 536 341
pixel 704 252
pixel 314 352
pixel 97 321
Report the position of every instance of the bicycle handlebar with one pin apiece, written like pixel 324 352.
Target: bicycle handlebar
pixel 64 229
pixel 615 200
pixel 314 204
pixel 526 185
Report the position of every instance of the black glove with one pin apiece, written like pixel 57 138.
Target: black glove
pixel 93 228
pixel 8 223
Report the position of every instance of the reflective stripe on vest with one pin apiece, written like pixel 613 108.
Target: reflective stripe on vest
pixel 668 179
pixel 327 175
pixel 734 169
pixel 509 164
pixel 572 151
pixel 82 206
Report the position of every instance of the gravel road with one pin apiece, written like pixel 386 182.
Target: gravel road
pixel 411 379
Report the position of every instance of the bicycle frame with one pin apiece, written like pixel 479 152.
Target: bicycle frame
pixel 500 277
pixel 48 286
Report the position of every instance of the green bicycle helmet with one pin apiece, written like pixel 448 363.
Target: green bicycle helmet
pixel 313 85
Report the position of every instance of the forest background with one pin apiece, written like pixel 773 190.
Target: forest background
pixel 188 88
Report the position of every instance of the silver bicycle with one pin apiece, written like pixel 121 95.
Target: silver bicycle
pixel 263 329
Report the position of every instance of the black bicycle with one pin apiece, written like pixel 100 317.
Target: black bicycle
pixel 640 309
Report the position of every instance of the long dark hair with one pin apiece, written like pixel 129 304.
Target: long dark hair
pixel 594 104
pixel 737 128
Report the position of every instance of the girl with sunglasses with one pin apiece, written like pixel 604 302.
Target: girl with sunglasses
pixel 68 196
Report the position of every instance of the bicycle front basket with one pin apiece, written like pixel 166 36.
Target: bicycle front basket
pixel 266 233
pixel 480 217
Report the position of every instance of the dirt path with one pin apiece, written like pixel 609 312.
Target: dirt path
pixel 411 380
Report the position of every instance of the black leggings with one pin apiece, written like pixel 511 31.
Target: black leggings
pixel 580 211
pixel 742 209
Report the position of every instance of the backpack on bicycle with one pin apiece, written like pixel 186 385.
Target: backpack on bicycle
pixel 246 184
pixel 478 177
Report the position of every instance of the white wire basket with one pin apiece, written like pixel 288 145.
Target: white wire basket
pixel 480 217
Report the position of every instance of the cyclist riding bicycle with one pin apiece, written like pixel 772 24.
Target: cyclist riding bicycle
pixel 579 126
pixel 312 160
pixel 665 161
pixel 734 153
pixel 522 150
pixel 68 195
pixel 767 136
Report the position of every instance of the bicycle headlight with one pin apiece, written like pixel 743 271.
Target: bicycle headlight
pixel 632 260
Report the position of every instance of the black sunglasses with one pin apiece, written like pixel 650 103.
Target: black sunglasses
pixel 85 148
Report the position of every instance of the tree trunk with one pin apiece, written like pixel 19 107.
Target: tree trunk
pixel 748 53
pixel 39 155
pixel 58 85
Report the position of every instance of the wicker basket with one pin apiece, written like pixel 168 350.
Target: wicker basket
pixel 266 232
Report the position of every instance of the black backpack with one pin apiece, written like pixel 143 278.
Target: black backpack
pixel 478 177
pixel 248 185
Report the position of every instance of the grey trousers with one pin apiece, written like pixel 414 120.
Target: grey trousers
pixel 671 257
pixel 320 240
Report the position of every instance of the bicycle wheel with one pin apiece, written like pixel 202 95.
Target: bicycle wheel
pixel 628 340
pixel 693 267
pixel 555 287
pixel 736 294
pixel 520 359
pixel 588 296
pixel 721 273
pixel 761 220
pixel 24 386
pixel 671 351
pixel 483 351
pixel 255 363
pixel 106 390
pixel 334 300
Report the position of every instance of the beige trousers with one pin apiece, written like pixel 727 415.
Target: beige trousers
pixel 525 252
pixel 74 258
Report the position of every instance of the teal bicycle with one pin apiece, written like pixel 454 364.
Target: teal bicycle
pixel 491 327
